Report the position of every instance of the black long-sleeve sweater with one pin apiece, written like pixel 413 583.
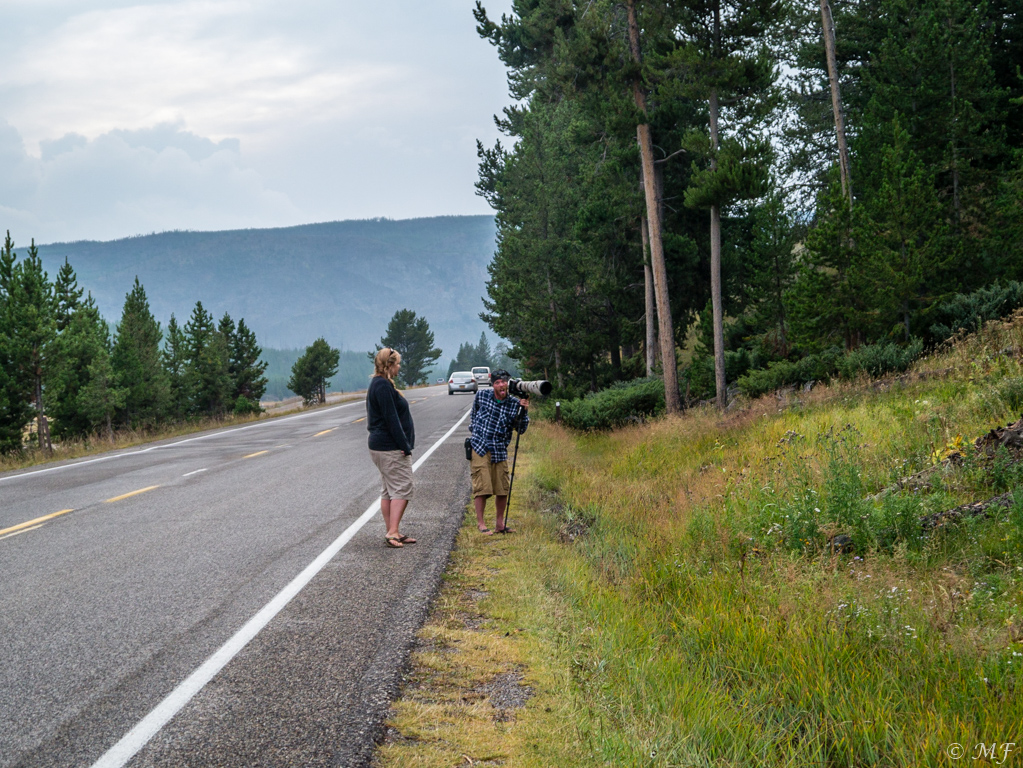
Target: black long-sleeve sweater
pixel 389 421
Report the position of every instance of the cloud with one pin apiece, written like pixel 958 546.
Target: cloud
pixel 133 181
pixel 294 112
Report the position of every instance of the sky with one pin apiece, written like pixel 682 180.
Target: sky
pixel 121 117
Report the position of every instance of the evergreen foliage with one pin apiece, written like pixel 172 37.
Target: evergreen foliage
pixel 472 355
pixel 175 363
pixel 968 312
pixel 79 344
pixel 208 360
pixel 15 379
pixel 32 327
pixel 929 93
pixel 247 367
pixel 312 371
pixel 412 338
pixel 137 362
pixel 623 403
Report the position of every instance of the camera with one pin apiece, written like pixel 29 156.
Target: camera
pixel 521 388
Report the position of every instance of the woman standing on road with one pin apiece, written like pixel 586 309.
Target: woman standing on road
pixel 392 436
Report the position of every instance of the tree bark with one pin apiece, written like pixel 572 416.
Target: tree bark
pixel 650 303
pixel 828 24
pixel 721 385
pixel 673 403
pixel 42 425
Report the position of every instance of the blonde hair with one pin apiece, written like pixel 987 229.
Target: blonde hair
pixel 382 363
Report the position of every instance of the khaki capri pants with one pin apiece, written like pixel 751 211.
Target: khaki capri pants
pixel 488 478
pixel 395 474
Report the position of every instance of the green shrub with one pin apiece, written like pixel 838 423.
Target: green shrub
pixel 615 406
pixel 243 406
pixel 880 359
pixel 785 373
pixel 969 311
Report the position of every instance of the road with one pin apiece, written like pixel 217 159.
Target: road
pixel 213 600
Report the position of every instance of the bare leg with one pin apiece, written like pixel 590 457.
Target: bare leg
pixel 385 510
pixel 501 502
pixel 481 505
pixel 397 511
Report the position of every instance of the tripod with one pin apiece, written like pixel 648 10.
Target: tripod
pixel 515 457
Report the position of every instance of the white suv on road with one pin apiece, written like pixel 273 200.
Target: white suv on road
pixel 482 375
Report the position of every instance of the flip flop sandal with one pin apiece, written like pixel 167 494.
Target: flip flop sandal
pixel 406 540
pixel 484 531
pixel 505 530
pixel 394 541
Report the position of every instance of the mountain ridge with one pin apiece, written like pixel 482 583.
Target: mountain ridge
pixel 342 280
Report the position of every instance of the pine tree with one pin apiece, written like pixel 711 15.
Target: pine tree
pixel 829 302
pixel 727 61
pixel 68 295
pixel 15 383
pixel 906 242
pixel 32 315
pixel 483 354
pixel 103 397
pixel 313 370
pixel 463 361
pixel 175 364
pixel 412 338
pixel 248 368
pixel 82 340
pixel 209 359
pixel 137 361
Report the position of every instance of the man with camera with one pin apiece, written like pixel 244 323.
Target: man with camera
pixel 494 413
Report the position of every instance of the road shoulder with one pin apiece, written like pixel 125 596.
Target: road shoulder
pixel 490 674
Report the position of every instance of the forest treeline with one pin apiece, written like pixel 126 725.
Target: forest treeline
pixel 62 367
pixel 481 353
pixel 699 168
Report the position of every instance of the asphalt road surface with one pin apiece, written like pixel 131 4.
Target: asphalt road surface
pixel 224 599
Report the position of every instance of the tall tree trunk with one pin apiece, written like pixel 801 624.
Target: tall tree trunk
pixel 836 100
pixel 650 303
pixel 673 403
pixel 42 425
pixel 721 385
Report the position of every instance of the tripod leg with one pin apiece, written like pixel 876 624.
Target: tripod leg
pixel 511 482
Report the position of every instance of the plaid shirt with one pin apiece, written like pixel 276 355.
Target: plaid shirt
pixel 491 424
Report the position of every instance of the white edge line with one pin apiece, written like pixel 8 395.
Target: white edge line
pixel 219 433
pixel 125 749
pixel 194 472
pixel 23 530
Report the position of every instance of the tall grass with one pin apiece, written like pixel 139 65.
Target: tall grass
pixel 718 623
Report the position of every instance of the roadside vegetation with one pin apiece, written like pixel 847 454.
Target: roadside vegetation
pixel 749 588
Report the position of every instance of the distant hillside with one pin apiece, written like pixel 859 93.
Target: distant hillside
pixel 341 280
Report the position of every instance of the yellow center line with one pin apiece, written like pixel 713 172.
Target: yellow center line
pixel 324 431
pixel 133 493
pixel 37 521
pixel 257 453
pixel 358 420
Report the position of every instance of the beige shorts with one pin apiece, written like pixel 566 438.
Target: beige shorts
pixel 489 479
pixel 395 474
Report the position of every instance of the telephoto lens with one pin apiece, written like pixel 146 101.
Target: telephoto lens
pixel 520 388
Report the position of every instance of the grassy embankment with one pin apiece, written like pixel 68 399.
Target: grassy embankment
pixel 671 597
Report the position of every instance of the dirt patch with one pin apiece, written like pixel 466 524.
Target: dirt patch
pixel 506 692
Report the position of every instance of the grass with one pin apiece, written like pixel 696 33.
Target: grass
pixel 681 604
